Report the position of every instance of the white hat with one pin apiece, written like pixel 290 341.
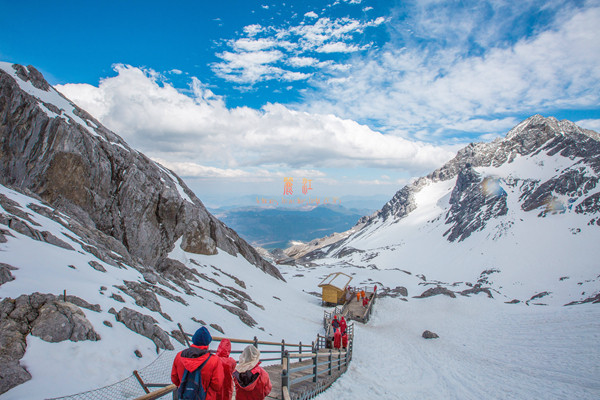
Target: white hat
pixel 248 359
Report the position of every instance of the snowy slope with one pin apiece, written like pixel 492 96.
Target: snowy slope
pixel 485 350
pixel 46 268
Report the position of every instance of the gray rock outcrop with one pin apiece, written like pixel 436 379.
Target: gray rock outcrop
pixel 146 326
pixel 435 291
pixel 429 335
pixel 5 273
pixel 42 315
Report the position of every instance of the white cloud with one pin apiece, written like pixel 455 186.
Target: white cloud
pixel 244 67
pixel 176 71
pixel 199 136
pixel 253 30
pixel 248 44
pixel 423 92
pixel 291 45
pixel 593 124
pixel 191 169
pixel 337 47
pixel 302 61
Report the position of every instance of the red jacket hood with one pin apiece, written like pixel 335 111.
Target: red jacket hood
pixel 191 364
pixel 224 348
pixel 250 387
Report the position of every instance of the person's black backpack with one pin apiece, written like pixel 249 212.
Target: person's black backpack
pixel 190 387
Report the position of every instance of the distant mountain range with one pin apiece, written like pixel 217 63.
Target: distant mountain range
pixel 272 228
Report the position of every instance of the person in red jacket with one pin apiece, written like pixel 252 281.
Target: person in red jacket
pixel 345 341
pixel 193 357
pixel 252 382
pixel 223 352
pixel 343 325
pixel 337 339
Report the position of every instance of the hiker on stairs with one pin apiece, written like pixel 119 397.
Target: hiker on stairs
pixel 223 352
pixel 196 370
pixel 335 323
pixel 343 325
pixel 337 339
pixel 252 382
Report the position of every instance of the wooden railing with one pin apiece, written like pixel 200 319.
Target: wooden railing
pixel 334 360
pixel 369 311
pixel 303 351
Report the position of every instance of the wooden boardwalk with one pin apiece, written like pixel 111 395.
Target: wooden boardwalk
pixel 354 309
pixel 323 380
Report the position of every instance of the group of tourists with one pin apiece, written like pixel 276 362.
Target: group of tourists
pixel 340 336
pixel 199 373
pixel 361 295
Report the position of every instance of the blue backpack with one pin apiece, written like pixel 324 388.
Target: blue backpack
pixel 190 387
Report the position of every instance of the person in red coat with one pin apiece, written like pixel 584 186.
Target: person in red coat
pixel 343 325
pixel 223 352
pixel 365 301
pixel 337 339
pixel 252 382
pixel 345 341
pixel 193 357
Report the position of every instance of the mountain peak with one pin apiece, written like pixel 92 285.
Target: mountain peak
pixel 547 127
pixel 31 74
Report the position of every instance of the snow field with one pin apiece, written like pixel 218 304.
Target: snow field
pixel 485 350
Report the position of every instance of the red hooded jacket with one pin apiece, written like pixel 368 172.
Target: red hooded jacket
pixel 191 359
pixel 337 339
pixel 343 325
pixel 228 363
pixel 257 390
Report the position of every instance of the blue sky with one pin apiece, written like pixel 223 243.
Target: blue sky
pixel 357 95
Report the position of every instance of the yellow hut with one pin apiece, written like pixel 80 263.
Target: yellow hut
pixel 334 288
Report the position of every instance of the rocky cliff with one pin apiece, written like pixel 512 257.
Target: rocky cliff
pixel 56 150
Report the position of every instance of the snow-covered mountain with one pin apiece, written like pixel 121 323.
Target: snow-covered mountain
pixel 518 217
pixel 103 252
pixel 132 246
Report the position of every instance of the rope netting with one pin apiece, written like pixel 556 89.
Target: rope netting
pixel 157 372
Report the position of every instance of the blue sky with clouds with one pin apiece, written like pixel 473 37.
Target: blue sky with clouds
pixel 357 95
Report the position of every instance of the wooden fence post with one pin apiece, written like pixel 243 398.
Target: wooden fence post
pixel 285 379
pixel 330 363
pixel 315 358
pixel 184 335
pixel 140 381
